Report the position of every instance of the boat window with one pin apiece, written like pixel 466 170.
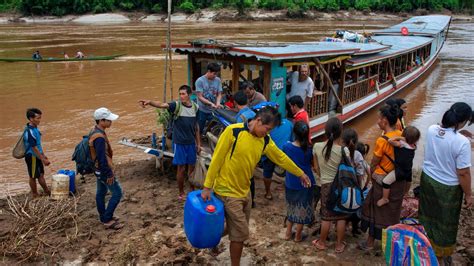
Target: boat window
pixel 253 73
pixel 225 75
pixel 383 71
pixel 374 70
pixel 362 73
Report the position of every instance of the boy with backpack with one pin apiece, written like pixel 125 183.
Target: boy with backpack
pixel 404 150
pixel 34 155
pixel 101 154
pixel 186 139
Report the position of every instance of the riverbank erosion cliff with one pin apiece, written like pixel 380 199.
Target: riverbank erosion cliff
pixel 209 15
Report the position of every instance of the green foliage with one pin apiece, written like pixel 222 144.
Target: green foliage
pixel 362 4
pixel 295 8
pixel 294 11
pixel 323 5
pixel 273 4
pixel 127 6
pixel 156 8
pixel 187 7
pixel 332 5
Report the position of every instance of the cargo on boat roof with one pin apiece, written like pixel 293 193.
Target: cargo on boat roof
pixel 349 77
pixel 284 51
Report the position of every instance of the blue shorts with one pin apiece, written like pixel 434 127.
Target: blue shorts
pixel 268 168
pixel 184 154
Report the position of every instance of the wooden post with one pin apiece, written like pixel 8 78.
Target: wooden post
pixel 394 80
pixel 169 48
pixel 326 75
pixel 168 53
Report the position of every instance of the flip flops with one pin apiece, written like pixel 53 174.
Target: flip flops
pixel 341 249
pixel 114 226
pixel 303 237
pixel 269 196
pixel 317 245
pixel 363 246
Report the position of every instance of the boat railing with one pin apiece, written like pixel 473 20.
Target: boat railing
pixel 318 104
pixel 358 90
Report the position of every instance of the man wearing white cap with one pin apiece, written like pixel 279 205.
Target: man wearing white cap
pixel 101 154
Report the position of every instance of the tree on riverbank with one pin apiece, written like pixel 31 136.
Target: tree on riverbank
pixel 294 7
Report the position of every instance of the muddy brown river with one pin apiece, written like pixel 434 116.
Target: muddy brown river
pixel 68 93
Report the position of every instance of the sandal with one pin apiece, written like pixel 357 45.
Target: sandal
pixel 269 196
pixel 114 226
pixel 317 246
pixel 363 246
pixel 288 238
pixel 341 249
pixel 303 237
pixel 116 218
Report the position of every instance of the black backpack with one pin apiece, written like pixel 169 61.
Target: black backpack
pixel 82 156
pixel 346 195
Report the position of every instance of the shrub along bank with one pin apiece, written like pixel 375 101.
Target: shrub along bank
pixel 294 7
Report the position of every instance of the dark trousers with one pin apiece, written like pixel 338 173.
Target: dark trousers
pixel 106 213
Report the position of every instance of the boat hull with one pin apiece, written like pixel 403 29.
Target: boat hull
pixel 95 58
pixel 365 104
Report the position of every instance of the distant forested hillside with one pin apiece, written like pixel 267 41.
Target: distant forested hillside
pixel 294 7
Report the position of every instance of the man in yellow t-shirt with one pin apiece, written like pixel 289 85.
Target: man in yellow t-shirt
pixel 231 169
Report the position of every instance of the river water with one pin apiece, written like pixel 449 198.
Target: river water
pixel 68 93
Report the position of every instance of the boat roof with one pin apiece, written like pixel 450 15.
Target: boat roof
pixel 285 51
pixel 420 25
pixel 399 45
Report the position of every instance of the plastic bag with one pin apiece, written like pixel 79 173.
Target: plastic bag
pixel 405 244
pixel 19 150
pixel 200 172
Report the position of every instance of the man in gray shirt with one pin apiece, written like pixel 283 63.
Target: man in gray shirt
pixel 301 84
pixel 254 97
pixel 209 94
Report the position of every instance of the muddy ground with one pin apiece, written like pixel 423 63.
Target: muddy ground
pixel 153 231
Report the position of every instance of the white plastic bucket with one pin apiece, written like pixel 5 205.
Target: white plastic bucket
pixel 60 187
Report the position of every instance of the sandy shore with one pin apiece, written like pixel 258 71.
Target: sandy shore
pixel 153 231
pixel 208 15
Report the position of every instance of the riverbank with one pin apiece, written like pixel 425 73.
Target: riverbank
pixel 223 15
pixel 153 231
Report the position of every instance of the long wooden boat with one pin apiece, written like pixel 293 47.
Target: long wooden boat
pixel 361 75
pixel 58 59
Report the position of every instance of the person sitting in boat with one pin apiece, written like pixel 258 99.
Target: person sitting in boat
pixel 80 55
pixel 66 56
pixel 37 56
pixel 301 84
pixel 254 97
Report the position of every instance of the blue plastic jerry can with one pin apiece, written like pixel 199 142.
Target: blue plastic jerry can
pixel 72 179
pixel 203 220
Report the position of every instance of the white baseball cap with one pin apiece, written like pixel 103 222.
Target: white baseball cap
pixel 104 113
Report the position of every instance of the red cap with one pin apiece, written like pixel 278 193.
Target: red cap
pixel 210 208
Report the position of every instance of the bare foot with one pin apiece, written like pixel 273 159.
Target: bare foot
pixel 382 202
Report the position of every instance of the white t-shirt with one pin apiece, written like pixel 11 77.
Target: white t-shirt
pixel 445 152
pixel 303 89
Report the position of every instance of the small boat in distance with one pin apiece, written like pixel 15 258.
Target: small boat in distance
pixel 61 59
